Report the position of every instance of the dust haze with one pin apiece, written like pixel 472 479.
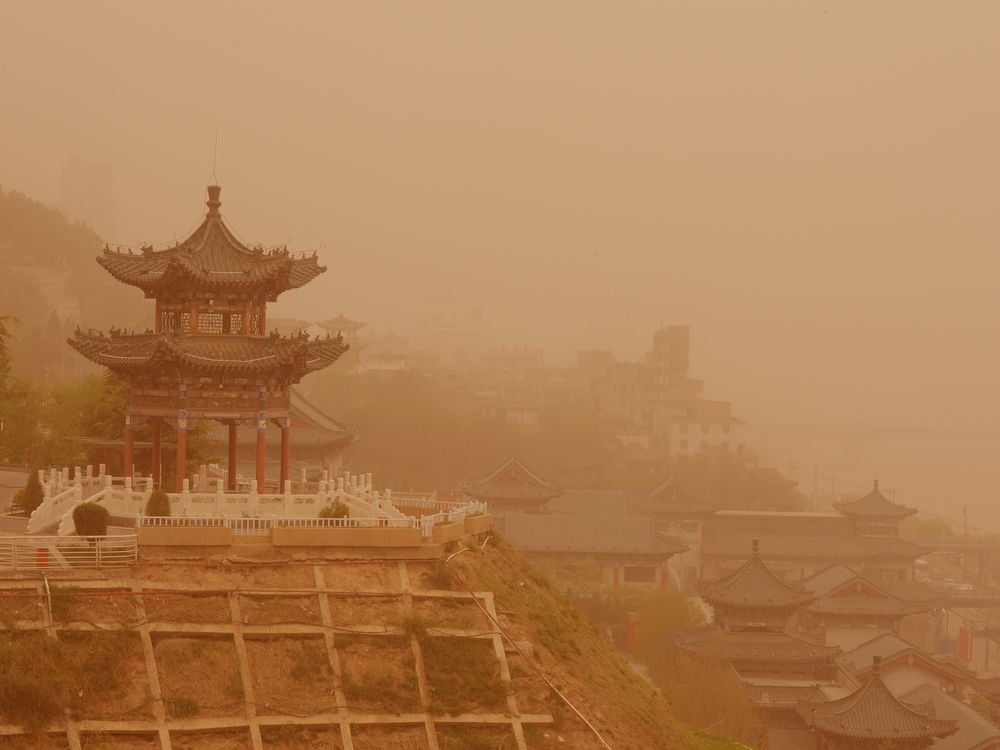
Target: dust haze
pixel 812 186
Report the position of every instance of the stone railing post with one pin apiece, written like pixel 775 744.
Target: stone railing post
pixel 254 498
pixel 286 500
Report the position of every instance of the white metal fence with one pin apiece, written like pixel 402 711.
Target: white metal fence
pixel 43 552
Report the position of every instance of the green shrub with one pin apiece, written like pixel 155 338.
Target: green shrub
pixel 32 495
pixel 158 504
pixel 339 509
pixel 91 519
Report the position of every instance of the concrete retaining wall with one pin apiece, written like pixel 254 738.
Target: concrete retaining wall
pixel 185 536
pixel 443 533
pixel 319 537
pixel 475 525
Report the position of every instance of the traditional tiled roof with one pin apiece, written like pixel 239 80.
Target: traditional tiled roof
pixel 974 730
pixel 513 481
pixel 814 547
pixel 748 646
pixel 875 505
pixel 890 649
pixel 212 256
pixel 829 578
pixel 214 353
pixel 342 323
pixel 753 586
pixel 862 603
pixel 872 713
pixel 668 498
pixel 841 591
pixel 621 535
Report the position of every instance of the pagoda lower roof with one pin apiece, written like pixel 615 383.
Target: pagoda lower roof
pixel 216 353
pixel 211 257
pixel 750 646
pixel 872 713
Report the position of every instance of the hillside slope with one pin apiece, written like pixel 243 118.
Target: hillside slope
pixel 258 649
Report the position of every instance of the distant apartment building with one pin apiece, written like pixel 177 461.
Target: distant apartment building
pixel 450 330
pixel 656 403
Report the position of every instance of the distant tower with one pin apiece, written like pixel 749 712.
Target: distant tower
pixel 672 350
pixel 209 356
pixel 86 194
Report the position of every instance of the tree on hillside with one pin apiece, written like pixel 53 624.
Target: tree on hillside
pixel 6 322
pixel 731 480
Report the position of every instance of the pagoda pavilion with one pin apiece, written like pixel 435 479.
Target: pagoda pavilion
pixel 209 355
pixel 754 598
pixel 873 718
pixel 875 515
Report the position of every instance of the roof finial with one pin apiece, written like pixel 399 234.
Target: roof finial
pixel 876 484
pixel 213 201
pixel 756 545
pixel 876 664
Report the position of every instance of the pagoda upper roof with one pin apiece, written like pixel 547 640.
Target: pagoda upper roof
pixel 123 352
pixel 212 257
pixel 875 505
pixel 873 714
pixel 513 481
pixel 750 646
pixel 753 585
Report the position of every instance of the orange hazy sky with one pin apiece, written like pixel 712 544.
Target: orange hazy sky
pixel 813 186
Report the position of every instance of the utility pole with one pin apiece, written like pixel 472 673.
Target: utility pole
pixel 965 518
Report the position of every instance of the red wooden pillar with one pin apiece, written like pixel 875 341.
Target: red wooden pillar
pixel 127 459
pixel 156 470
pixel 181 456
pixel 231 479
pixel 285 446
pixel 261 454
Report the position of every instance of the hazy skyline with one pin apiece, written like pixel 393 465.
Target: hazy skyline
pixel 812 186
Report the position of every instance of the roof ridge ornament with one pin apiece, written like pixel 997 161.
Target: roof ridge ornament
pixel 213 201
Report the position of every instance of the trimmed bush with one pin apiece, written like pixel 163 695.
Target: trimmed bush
pixel 32 495
pixel 338 510
pixel 91 519
pixel 158 504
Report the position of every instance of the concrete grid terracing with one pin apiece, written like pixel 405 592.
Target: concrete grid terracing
pixel 244 628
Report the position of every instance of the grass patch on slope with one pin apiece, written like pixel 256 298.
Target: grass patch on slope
pixel 626 709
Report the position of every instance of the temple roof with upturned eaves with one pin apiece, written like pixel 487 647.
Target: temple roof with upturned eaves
pixel 875 505
pixel 515 482
pixel 753 586
pixel 670 499
pixel 873 714
pixel 213 353
pixel 212 257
